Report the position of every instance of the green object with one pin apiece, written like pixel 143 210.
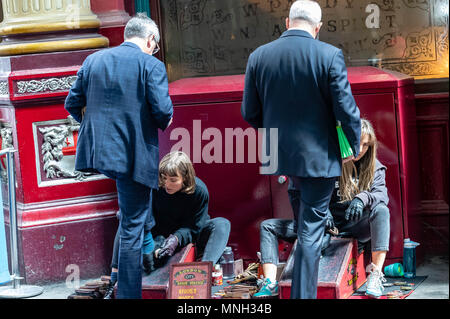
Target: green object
pixel 346 150
pixel 268 289
pixel 142 6
pixel 394 270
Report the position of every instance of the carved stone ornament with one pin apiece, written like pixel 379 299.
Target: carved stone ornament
pixel 54 138
pixel 6 142
pixel 45 85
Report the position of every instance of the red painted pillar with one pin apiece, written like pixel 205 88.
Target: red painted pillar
pixel 113 18
pixel 66 220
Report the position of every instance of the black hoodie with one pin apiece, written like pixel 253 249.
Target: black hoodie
pixel 375 195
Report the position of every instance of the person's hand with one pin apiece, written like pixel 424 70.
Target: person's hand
pixel 168 247
pixel 355 210
pixel 330 227
pixel 329 222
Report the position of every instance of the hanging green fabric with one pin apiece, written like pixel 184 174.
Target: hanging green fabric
pixel 142 6
pixel 346 150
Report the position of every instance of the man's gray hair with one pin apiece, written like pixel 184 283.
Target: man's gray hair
pixel 306 10
pixel 141 26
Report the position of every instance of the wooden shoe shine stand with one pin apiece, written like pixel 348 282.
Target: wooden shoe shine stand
pixel 156 285
pixel 341 271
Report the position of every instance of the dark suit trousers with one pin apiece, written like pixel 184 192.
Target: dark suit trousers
pixel 134 199
pixel 312 204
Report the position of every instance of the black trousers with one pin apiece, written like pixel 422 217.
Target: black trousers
pixel 310 204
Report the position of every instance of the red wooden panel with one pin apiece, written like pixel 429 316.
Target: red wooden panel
pixel 433 131
pixel 341 271
pixel 433 143
pixel 53 252
pixel 31 193
pixel 114 35
pixel 156 284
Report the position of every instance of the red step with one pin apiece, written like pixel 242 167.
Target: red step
pixel 156 285
pixel 341 271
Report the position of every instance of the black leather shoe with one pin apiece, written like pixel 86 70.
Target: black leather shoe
pixel 109 293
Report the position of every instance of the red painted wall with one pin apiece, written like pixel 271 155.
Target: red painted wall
pixel 433 142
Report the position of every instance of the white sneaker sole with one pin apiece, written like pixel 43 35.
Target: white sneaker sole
pixel 373 295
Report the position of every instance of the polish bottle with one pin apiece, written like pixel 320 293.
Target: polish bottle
pixel 227 263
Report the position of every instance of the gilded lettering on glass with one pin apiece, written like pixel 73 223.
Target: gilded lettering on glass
pixel 215 37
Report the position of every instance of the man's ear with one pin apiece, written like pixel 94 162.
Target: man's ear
pixel 149 41
pixel 318 28
pixel 287 23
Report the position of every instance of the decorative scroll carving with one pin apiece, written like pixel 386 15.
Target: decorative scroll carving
pixel 421 4
pixel 52 150
pixel 46 85
pixel 6 142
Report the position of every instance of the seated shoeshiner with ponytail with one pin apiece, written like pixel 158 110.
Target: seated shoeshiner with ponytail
pixel 179 216
pixel 358 209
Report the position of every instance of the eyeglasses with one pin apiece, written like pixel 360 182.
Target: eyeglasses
pixel 156 50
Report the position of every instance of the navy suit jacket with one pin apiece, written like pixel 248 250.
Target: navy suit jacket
pixel 299 85
pixel 125 92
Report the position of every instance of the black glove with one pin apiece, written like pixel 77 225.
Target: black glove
pixel 355 210
pixel 329 222
pixel 330 227
pixel 168 247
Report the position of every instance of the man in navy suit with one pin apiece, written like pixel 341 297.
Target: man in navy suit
pixel 121 99
pixel 298 86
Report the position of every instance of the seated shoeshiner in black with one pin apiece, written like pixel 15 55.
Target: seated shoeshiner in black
pixel 179 216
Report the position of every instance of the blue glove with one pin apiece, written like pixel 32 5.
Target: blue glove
pixel 355 210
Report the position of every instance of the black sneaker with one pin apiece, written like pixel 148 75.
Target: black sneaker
pixel 109 293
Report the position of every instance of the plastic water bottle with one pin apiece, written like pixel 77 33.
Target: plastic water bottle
pixel 227 263
pixel 409 258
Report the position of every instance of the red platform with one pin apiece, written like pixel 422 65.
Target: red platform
pixel 341 271
pixel 156 285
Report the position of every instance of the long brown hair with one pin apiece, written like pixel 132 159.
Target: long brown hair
pixel 350 184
